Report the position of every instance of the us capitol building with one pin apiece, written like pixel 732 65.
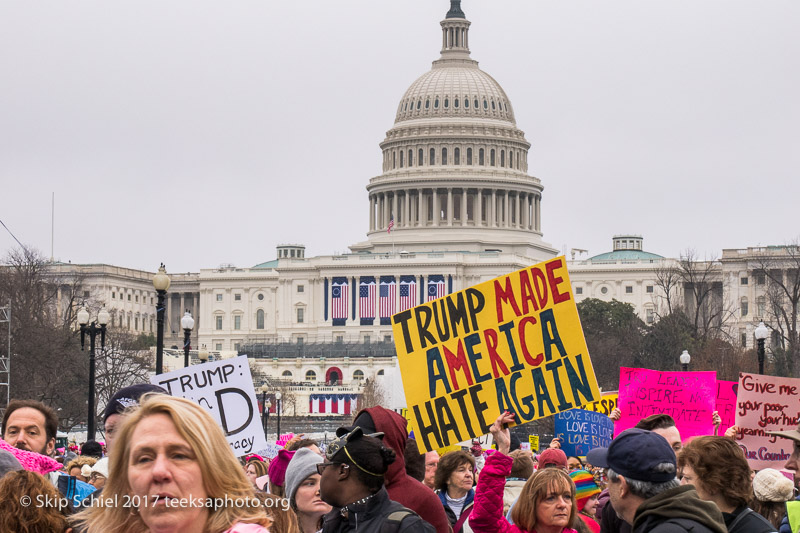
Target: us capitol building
pixel 454 205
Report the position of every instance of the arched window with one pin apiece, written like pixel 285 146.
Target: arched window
pixel 444 156
pixel 410 157
pixel 480 157
pixel 311 376
pixel 420 155
pixel 358 375
pixel 476 103
pixel 287 374
pixel 419 104
pixel 446 102
pixel 401 158
pixel 491 158
pixel 469 156
pixel 485 104
pixel 493 108
pixel 466 103
pixel 502 158
pixel 432 159
pixel 260 319
pixel 455 102
pixel 394 159
pixel 380 372
pixel 744 306
pixel 456 156
pixel 427 103
pixel 436 103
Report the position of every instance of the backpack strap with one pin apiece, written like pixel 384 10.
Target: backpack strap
pixel 463 518
pixel 748 511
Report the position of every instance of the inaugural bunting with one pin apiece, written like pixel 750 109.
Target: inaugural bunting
pixel 408 292
pixel 339 301
pixel 367 298
pixel 436 288
pixel 388 290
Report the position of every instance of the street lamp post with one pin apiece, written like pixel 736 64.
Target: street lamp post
pixel 266 405
pixel 278 406
pixel 187 323
pixel 761 335
pixel 685 360
pixel 92 329
pixel 161 284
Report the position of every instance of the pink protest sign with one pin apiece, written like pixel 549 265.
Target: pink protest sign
pixel 726 404
pixel 766 403
pixel 688 397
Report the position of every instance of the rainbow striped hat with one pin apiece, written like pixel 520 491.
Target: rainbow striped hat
pixel 585 486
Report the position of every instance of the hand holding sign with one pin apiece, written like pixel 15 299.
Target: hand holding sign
pixel 500 432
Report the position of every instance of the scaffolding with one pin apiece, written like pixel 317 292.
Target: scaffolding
pixel 278 350
pixel 5 360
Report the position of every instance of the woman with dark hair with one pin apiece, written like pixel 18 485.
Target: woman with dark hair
pixel 351 481
pixel 454 480
pixel 546 503
pixel 719 472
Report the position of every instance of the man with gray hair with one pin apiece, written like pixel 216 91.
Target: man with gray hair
pixel 645 491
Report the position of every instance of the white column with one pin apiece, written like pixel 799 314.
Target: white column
pixel 538 213
pixel 394 208
pixel 422 213
pixel 406 209
pixel 436 208
pixel 479 208
pixel 464 193
pixel 506 204
pixel 517 213
pixel 494 209
pixel 449 206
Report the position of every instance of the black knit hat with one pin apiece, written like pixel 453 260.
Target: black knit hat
pixel 127 397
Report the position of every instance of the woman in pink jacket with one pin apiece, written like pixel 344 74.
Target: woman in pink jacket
pixel 546 503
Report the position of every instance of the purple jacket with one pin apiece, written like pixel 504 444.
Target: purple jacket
pixel 487 511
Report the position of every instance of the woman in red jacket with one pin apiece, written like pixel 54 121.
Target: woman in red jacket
pixel 546 503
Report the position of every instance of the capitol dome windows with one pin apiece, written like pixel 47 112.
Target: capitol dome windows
pixel 436 103
pixel 455 102
pixel 502 158
pixel 466 103
pixel 427 103
pixel 420 157
pixel 401 159
pixel 493 108
pixel 481 160
pixel 419 104
pixel 410 157
pixel 444 156
pixel 432 159
pixel 469 156
pixel 446 102
pixel 457 156
pixel 491 158
pixel 485 104
pixel 475 102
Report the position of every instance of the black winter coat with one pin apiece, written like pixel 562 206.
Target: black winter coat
pixel 371 517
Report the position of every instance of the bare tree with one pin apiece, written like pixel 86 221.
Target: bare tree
pixel 372 395
pixel 669 280
pixel 704 301
pixel 778 268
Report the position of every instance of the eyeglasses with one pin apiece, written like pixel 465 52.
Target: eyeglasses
pixel 321 467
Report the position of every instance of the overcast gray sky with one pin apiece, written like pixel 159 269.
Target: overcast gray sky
pixel 203 132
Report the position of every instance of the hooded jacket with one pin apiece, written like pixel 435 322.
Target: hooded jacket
pixel 678 510
pixel 487 510
pixel 403 488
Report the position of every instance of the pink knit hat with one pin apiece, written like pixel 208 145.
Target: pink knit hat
pixel 277 467
pixel 32 461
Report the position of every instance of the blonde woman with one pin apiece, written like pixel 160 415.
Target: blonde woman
pixel 172 471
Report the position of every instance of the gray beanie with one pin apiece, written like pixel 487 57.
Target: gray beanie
pixel 769 485
pixel 8 463
pixel 303 464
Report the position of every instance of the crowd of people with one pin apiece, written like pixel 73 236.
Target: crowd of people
pixel 166 467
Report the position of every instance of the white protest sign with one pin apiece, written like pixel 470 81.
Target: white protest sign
pixel 225 389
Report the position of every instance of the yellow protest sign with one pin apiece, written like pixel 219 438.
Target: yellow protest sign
pixel 534 441
pixel 607 403
pixel 512 343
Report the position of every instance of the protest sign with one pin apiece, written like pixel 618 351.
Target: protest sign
pixel 766 403
pixel 225 389
pixel 725 404
pixel 688 397
pixel 512 343
pixel 533 440
pixel 608 402
pixel 581 430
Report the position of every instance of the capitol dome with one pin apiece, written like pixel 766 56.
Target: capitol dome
pixel 455 165
pixel 455 90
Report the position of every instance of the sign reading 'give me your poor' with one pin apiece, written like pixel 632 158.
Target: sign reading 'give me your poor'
pixel 225 389
pixel 513 343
